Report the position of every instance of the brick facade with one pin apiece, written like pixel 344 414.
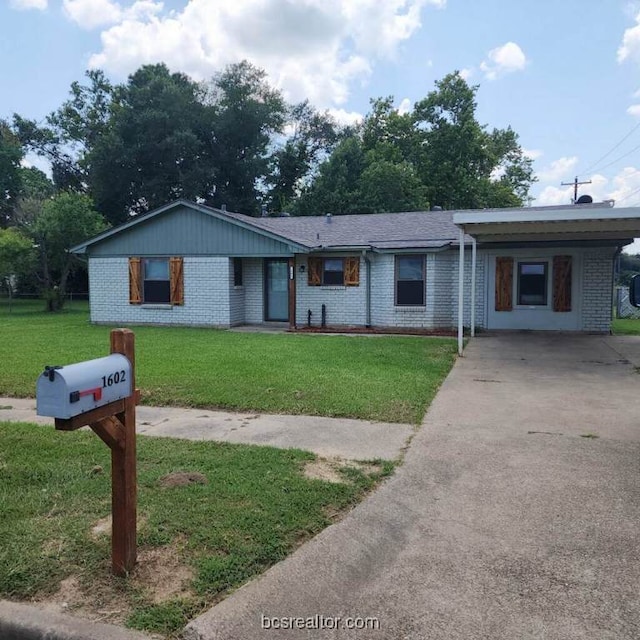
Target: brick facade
pixel 211 299
pixel 597 290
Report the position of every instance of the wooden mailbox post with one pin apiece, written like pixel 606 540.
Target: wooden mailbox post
pixel 115 424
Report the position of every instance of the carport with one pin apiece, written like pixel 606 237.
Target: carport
pixel 545 267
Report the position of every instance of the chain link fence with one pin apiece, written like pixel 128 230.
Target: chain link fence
pixel 623 306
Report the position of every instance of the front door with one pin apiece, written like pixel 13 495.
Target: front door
pixel 276 304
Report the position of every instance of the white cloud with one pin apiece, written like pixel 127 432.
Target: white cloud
pixel 405 106
pixel 502 60
pixel 90 14
pixel 310 48
pixel 33 160
pixel 630 47
pixel 634 110
pixel 466 73
pixel 534 154
pixel 558 170
pixel 350 118
pixel 29 4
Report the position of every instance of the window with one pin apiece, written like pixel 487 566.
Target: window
pixel 410 281
pixel 156 286
pixel 532 283
pixel 333 272
pixel 237 272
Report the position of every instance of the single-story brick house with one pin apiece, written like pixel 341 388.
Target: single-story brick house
pixel 542 268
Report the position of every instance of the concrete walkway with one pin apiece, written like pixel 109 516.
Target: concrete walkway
pixel 515 515
pixel 327 437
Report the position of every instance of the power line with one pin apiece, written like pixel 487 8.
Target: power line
pixel 633 193
pixel 622 157
pixel 615 146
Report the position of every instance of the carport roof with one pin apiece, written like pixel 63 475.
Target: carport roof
pixel 588 222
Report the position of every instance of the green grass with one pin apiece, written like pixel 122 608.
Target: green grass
pixel 626 327
pixel 256 507
pixel 379 378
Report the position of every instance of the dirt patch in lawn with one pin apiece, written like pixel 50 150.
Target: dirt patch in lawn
pixel 159 576
pixel 328 469
pixel 182 479
pixel 323 470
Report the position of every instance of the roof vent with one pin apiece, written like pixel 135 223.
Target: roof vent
pixel 223 207
pixel 436 207
pixel 584 200
pixel 328 218
pixel 263 211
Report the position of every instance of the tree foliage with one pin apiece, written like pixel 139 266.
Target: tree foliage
pixel 234 140
pixel 437 153
pixel 16 258
pixel 10 156
pixel 66 219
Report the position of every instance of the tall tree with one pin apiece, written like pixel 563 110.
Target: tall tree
pixel 460 159
pixel 312 137
pixel 249 113
pixel 16 258
pixel 154 148
pixel 437 153
pixel 10 183
pixel 66 220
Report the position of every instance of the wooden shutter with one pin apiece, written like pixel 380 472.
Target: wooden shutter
pixel 176 277
pixel 314 272
pixel 504 284
pixel 352 272
pixel 562 283
pixel 135 281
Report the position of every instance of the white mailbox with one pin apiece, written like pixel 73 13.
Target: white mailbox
pixel 65 392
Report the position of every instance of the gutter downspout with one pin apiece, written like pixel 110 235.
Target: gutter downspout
pixel 461 294
pixel 473 287
pixel 367 261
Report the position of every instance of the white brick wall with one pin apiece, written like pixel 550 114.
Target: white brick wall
pixel 253 278
pixel 212 300
pixel 453 258
pixel 345 306
pixel 206 294
pixel 597 290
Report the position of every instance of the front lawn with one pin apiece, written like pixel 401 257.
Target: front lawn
pixel 378 378
pixel 626 327
pixel 196 542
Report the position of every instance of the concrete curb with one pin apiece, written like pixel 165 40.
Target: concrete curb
pixel 26 622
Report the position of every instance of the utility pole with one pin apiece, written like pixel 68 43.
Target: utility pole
pixel 575 184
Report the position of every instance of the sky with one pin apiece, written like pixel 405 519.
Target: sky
pixel 563 74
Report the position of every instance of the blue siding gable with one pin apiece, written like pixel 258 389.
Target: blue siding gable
pixel 187 231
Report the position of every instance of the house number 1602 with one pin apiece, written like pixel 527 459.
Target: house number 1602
pixel 113 378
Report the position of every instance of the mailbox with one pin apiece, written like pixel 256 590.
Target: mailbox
pixel 65 392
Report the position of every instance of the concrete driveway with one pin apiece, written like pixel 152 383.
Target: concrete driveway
pixel 515 516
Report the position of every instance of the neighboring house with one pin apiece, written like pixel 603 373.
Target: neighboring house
pixel 188 264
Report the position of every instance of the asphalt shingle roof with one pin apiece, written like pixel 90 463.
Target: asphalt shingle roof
pixel 406 230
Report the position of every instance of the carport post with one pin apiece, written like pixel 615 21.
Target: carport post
pixel 461 294
pixel 473 287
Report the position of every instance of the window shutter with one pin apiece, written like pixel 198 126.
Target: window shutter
pixel 352 272
pixel 176 278
pixel 504 284
pixel 314 272
pixel 135 281
pixel 562 283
